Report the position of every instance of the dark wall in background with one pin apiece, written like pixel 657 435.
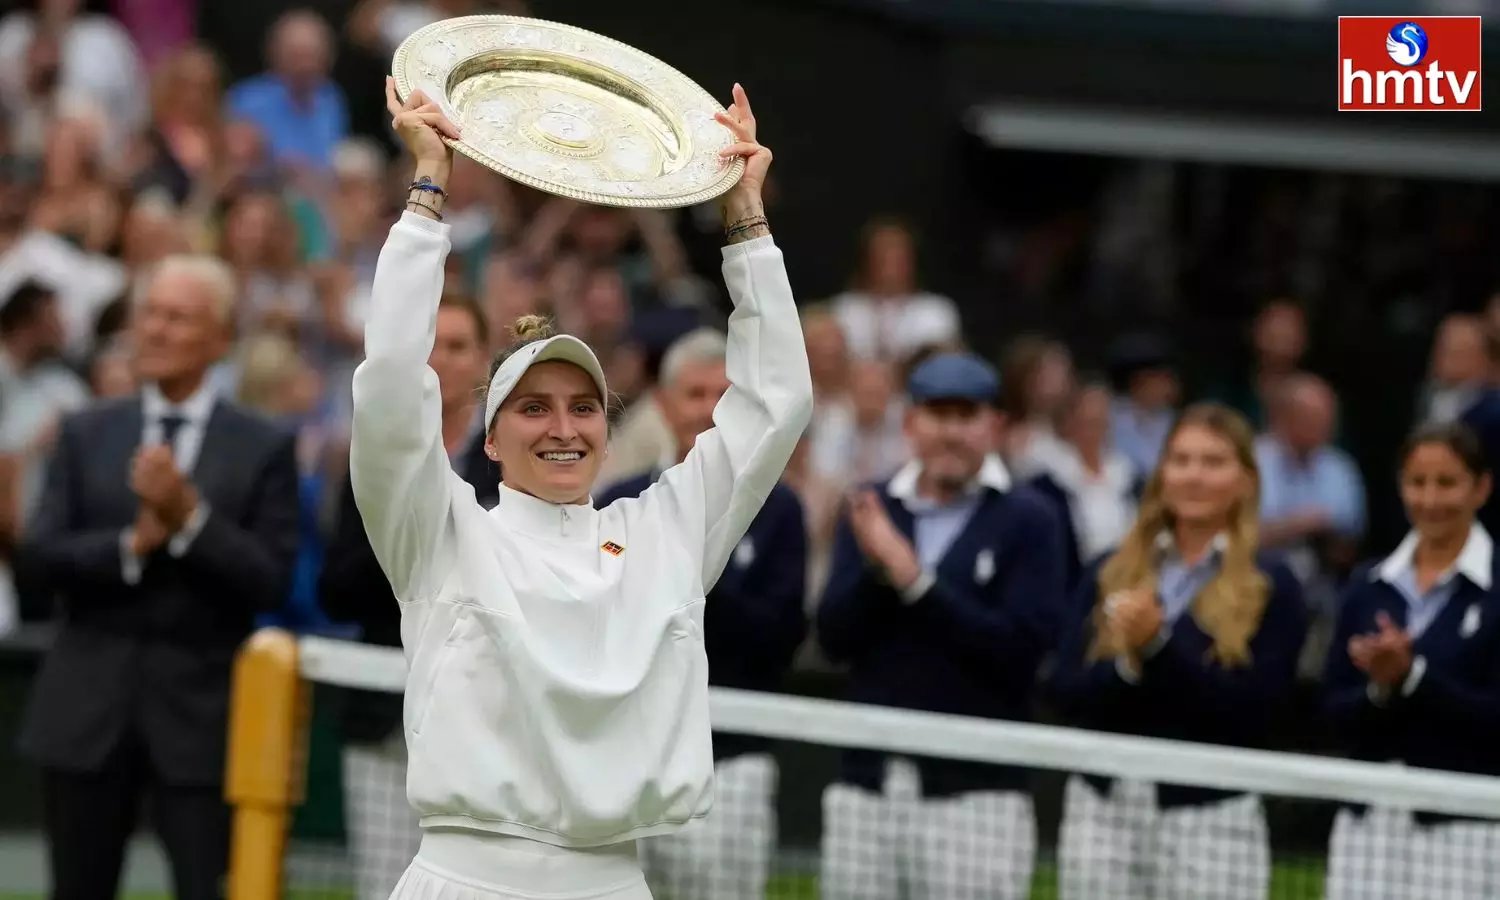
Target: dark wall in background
pixel 852 108
pixel 865 109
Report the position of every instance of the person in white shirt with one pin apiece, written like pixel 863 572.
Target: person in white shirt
pixel 556 708
pixel 885 315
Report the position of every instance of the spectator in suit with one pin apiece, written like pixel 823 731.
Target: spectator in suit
pixel 168 522
pixel 383 828
pixel 1414 677
pixel 1189 632
pixel 1094 485
pixel 754 623
pixel 944 594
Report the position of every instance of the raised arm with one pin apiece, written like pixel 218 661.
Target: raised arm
pixel 397 463
pixel 716 491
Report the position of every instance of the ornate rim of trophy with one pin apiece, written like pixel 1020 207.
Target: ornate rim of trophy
pixel 571 112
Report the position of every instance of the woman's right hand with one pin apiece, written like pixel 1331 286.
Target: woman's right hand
pixel 421 126
pixel 1135 616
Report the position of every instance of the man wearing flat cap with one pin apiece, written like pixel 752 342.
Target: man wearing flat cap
pixel 945 593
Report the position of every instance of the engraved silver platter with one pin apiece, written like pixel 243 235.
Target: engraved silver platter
pixel 570 112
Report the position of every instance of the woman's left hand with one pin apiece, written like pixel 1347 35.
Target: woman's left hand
pixel 1136 617
pixel 741 123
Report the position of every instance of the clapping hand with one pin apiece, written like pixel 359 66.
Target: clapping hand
pixel 882 543
pixel 164 491
pixel 1384 656
pixel 1135 617
pixel 148 533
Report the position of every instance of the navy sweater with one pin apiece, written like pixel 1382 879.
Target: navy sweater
pixel 1451 720
pixel 971 645
pixel 1182 694
pixel 755 617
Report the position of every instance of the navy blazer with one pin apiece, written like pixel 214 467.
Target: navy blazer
pixel 755 616
pixel 1182 694
pixel 1451 719
pixel 971 645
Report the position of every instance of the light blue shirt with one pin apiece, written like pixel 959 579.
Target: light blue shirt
pixel 1328 480
pixel 1178 583
pixel 1139 435
pixel 1399 570
pixel 937 526
pixel 295 133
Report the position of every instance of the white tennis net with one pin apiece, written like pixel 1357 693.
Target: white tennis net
pixel 1047 812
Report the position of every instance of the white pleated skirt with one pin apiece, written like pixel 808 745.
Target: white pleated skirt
pixel 458 864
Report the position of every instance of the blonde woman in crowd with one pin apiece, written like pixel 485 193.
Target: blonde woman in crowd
pixel 1188 632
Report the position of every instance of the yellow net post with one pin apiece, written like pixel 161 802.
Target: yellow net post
pixel 265 779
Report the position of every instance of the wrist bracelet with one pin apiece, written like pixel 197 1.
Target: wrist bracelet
pixel 428 207
pixel 745 225
pixel 747 221
pixel 425 184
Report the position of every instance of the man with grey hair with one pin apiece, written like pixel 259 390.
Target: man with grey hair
pixel 753 624
pixel 168 521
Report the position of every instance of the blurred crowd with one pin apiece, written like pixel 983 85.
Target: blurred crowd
pixel 121 207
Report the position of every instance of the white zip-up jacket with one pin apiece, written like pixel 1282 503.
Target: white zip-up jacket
pixel 558 690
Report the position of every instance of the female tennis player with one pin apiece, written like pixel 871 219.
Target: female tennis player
pixel 1188 632
pixel 557 707
pixel 1413 676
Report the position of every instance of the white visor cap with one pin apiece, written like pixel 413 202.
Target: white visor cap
pixel 558 348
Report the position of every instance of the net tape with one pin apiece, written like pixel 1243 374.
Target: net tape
pixel 921 733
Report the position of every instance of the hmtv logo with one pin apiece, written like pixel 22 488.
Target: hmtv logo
pixel 1396 63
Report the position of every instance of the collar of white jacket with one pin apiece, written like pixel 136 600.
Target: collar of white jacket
pixel 561 348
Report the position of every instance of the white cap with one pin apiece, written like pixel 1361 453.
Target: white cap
pixel 562 348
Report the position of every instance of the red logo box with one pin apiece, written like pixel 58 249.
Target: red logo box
pixel 1433 68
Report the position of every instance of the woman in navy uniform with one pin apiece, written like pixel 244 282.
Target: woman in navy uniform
pixel 1187 631
pixel 1414 677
